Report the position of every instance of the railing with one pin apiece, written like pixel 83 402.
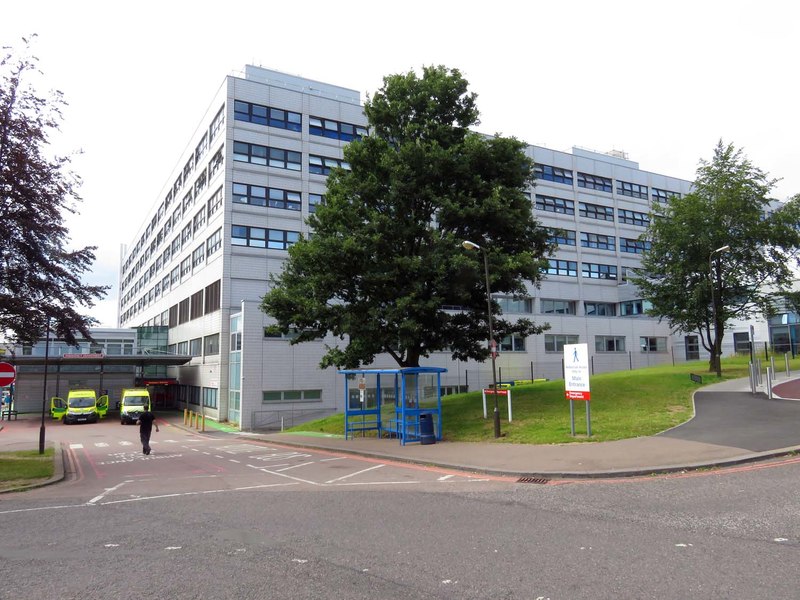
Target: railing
pixel 278 420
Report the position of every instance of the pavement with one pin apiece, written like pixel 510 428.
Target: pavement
pixel 731 425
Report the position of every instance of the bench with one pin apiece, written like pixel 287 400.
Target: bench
pixel 8 414
pixel 370 423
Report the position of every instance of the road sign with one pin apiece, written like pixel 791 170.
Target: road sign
pixel 7 374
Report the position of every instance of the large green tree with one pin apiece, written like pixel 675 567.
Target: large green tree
pixel 385 270
pixel 691 278
pixel 40 276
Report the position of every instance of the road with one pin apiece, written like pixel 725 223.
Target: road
pixel 222 516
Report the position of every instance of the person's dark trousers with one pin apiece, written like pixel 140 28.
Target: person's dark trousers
pixel 145 437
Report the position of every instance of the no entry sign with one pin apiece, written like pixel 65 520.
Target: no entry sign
pixel 7 374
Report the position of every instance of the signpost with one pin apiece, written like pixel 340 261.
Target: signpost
pixel 576 381
pixel 499 392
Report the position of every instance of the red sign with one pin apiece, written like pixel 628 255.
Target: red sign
pixel 573 395
pixel 7 374
pixel 499 392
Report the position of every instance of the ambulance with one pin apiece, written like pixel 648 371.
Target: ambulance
pixel 132 405
pixel 81 406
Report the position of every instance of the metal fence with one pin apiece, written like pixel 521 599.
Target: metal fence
pixel 278 420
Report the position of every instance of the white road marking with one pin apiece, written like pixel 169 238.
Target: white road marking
pixel 75 446
pixel 107 491
pixel 354 474
pixel 445 477
pixel 295 466
pixel 101 444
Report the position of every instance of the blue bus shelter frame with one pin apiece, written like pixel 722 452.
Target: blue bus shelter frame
pixel 406 422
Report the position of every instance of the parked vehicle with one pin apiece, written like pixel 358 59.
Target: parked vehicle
pixel 132 404
pixel 81 406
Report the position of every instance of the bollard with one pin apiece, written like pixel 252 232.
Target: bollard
pixel 769 383
pixel 185 416
pixel 786 360
pixel 204 423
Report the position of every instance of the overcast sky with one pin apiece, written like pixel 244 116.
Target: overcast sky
pixel 662 81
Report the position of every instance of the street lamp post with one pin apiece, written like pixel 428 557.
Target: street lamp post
pixel 492 348
pixel 44 387
pixel 717 354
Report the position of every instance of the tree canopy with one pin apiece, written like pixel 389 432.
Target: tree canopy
pixel 385 269
pixel 40 277
pixel 687 274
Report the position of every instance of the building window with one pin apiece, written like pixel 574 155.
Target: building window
pixel 257 195
pixel 510 305
pixel 653 344
pixel 259 237
pixel 633 246
pixel 186 235
pixel 336 130
pixel 512 343
pixel 216 124
pixel 594 182
pixel 211 345
pixel 216 162
pixel 562 237
pixel 196 305
pixel 663 195
pixel 269 397
pixel 214 203
pixel 210 397
pixel 598 271
pixel 568 268
pixel 322 165
pixel 200 183
pixel 186 267
pixel 183 313
pixel 212 298
pixel 609 343
pixel 314 200
pixel 549 306
pixel 199 220
pixel 634 190
pixel 214 242
pixel 556 205
pixel 173 315
pixel 264 155
pixel 556 343
pixel 555 174
pixel 599 309
pixel 631 217
pixel 198 256
pixel 596 240
pixel 196 347
pixel 633 307
pixel 265 115
pixel 596 211
pixel 183 348
pixel 202 146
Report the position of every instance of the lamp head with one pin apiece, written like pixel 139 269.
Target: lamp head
pixel 470 245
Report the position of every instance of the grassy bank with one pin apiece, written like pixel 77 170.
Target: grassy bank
pixel 624 404
pixel 24 467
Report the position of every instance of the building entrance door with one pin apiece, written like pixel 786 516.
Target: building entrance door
pixel 692 344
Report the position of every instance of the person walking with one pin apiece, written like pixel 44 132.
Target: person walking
pixel 146 422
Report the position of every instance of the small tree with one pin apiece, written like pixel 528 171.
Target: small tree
pixel 687 276
pixel 385 266
pixel 40 278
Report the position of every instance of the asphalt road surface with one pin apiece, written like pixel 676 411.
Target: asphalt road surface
pixel 221 516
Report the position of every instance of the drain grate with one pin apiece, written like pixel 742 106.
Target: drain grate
pixel 533 480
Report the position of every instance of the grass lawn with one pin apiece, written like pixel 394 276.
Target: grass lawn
pixel 624 404
pixel 25 467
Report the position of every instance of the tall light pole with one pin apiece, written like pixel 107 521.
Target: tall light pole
pixel 717 355
pixel 44 386
pixel 492 347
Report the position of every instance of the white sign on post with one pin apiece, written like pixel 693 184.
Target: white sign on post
pixel 576 371
pixel 576 380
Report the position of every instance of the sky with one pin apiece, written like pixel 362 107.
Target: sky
pixel 661 81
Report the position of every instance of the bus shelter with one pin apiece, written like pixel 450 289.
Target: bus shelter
pixel 403 403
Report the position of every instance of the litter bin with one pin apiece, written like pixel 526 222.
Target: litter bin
pixel 426 435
